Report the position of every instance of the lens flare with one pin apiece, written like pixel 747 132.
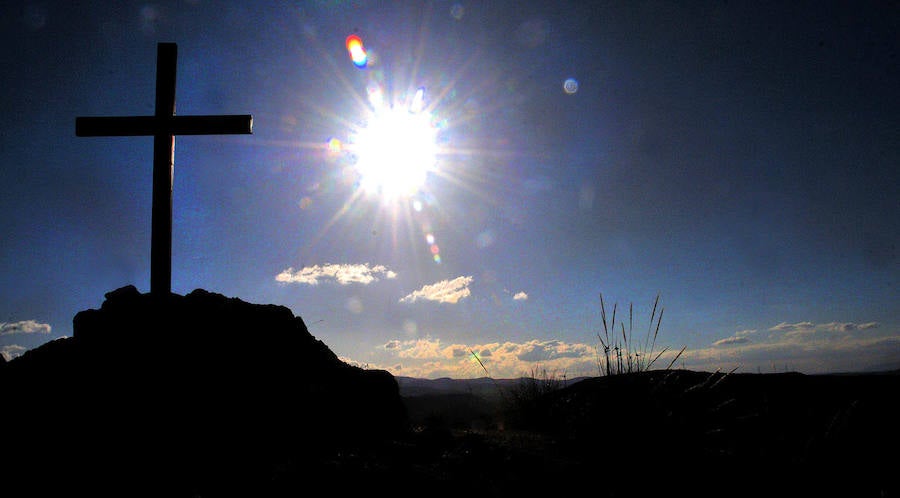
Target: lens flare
pixel 357 51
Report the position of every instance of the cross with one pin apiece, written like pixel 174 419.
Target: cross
pixel 163 126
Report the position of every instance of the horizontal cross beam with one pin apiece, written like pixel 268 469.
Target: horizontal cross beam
pixel 130 126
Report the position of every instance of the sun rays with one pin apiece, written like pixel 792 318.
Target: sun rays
pixel 400 140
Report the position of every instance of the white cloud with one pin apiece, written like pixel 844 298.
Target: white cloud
pixel 24 327
pixel 11 351
pixel 739 337
pixel 445 291
pixel 793 327
pixel 431 358
pixel 354 363
pixel 730 341
pixel 540 351
pixel 343 274
pixel 520 296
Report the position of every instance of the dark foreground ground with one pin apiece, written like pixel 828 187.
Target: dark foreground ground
pixel 115 410
pixel 661 433
pixel 653 434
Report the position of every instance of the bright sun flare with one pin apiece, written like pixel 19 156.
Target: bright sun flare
pixel 395 151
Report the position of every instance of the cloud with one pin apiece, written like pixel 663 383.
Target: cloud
pixel 806 347
pixel 849 327
pixel 540 351
pixel 799 346
pixel 822 330
pixel 793 327
pixel 431 358
pixel 730 341
pixel 11 351
pixel 459 351
pixel 445 291
pixel 24 327
pixel 520 296
pixel 343 274
pixel 739 337
pixel 354 363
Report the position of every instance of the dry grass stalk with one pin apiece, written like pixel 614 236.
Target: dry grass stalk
pixel 619 356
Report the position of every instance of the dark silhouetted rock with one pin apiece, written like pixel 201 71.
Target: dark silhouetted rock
pixel 182 396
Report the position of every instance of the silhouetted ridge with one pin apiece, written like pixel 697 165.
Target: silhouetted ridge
pixel 170 395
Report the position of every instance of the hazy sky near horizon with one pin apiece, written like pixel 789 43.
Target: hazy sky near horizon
pixel 737 159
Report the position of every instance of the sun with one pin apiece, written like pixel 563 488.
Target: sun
pixel 404 143
pixel 395 149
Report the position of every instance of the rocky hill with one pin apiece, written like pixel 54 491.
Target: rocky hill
pixel 182 396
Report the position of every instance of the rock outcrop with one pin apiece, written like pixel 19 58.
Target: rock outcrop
pixel 184 395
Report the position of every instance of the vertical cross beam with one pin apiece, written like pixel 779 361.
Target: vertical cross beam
pixel 163 126
pixel 163 172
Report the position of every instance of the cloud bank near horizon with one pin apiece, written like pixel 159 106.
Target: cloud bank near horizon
pixel 802 346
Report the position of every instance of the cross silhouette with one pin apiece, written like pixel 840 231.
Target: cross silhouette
pixel 163 126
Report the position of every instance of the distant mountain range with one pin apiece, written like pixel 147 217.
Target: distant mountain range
pixel 492 389
pixel 485 387
pixel 463 403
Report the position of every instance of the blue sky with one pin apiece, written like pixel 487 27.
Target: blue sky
pixel 737 159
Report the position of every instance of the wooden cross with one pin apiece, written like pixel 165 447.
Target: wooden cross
pixel 163 126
